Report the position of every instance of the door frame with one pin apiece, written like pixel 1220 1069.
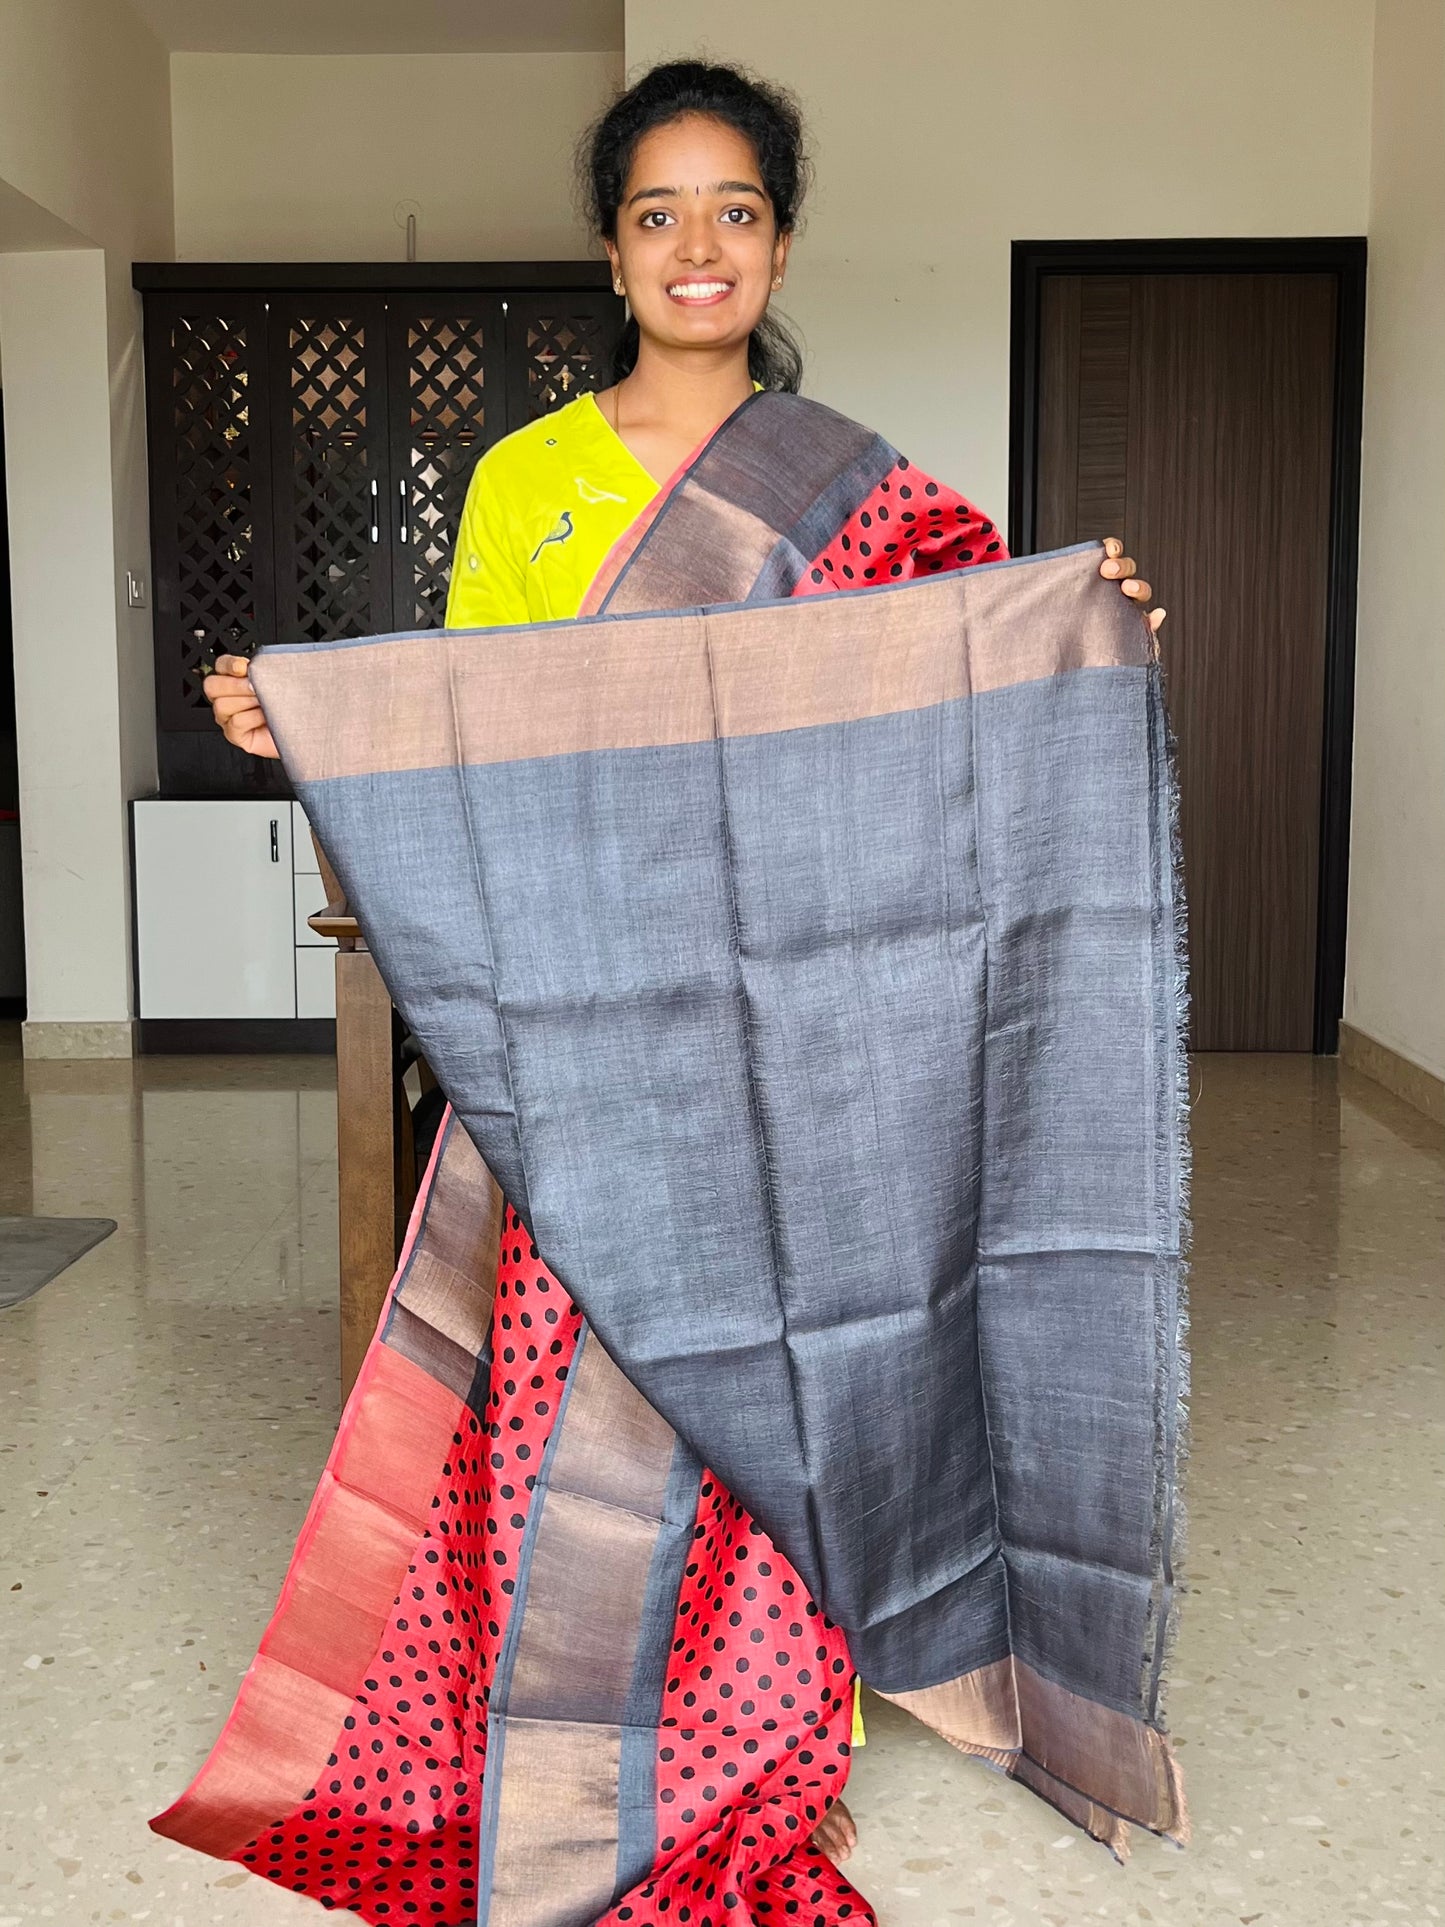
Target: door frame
pixel 1344 257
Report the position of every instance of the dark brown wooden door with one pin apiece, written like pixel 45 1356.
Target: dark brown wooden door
pixel 1193 414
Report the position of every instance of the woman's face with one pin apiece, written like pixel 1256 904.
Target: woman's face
pixel 697 247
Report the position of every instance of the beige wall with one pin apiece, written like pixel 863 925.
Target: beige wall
pixel 942 138
pixel 284 157
pixel 84 123
pixel 1395 977
pixel 85 137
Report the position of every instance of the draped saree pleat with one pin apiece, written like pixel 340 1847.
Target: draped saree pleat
pixel 807 973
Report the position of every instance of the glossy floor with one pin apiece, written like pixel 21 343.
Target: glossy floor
pixel 165 1407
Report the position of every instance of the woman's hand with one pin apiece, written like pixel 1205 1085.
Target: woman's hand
pixel 1119 567
pixel 236 707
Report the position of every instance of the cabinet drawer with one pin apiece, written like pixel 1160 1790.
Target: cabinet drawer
pixel 214 915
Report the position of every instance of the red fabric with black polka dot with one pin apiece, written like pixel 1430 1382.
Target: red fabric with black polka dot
pixel 756 1715
pixel 909 526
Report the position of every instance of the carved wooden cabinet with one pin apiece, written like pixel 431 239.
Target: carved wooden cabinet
pixel 311 436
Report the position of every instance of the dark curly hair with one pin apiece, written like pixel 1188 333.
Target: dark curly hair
pixel 767 116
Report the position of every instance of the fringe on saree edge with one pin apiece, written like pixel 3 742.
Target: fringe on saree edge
pixel 1172 1333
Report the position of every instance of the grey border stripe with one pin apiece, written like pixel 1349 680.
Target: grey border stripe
pixel 637 1777
pixel 821 520
pixel 507 1659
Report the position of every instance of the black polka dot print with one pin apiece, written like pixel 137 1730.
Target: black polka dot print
pixel 909 527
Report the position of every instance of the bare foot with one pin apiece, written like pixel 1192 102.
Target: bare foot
pixel 836 1834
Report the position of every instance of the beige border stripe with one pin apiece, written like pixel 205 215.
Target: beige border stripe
pixel 708 551
pixel 978 1712
pixel 1115 1760
pixel 558 1818
pixel 1096 1821
pixel 647 681
pixel 555 1855
pixel 1096 1765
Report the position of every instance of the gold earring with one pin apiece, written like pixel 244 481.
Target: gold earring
pixel 777 281
pixel 617 288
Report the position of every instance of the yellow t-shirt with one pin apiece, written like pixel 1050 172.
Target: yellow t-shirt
pixel 543 508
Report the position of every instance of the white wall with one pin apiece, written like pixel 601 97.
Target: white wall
pixel 935 147
pixel 67 678
pixel 1395 981
pixel 943 136
pixel 287 157
pixel 84 137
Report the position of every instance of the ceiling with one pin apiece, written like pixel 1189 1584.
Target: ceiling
pixel 384 26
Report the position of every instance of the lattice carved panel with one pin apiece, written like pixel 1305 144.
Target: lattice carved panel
pixel 212 447
pixel 567 352
pixel 446 401
pixel 335 485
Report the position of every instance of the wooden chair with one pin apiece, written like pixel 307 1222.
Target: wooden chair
pixel 376 1153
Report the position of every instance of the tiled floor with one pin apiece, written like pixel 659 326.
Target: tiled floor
pixel 166 1405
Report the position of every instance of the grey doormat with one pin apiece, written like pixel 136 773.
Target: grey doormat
pixel 35 1250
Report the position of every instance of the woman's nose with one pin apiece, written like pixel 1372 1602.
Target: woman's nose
pixel 696 241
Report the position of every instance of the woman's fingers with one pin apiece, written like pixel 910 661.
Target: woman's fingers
pixel 242 715
pixel 1119 568
pixel 236 707
pixel 227 689
pixel 228 697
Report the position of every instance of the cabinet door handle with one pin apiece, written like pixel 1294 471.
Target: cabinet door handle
pixel 275 840
pixel 375 529
pixel 402 487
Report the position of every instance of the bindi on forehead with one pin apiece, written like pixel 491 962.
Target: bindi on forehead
pixel 699 188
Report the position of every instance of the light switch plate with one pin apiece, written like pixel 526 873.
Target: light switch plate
pixel 135 589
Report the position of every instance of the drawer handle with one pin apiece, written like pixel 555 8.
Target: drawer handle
pixel 275 841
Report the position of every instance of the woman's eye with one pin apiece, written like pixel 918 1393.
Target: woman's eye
pixel 739 216
pixel 656 217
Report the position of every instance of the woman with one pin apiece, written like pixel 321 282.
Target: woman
pixel 695 177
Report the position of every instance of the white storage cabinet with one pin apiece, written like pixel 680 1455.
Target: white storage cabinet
pixel 223 890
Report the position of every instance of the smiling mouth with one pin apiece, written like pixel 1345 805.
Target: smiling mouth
pixel 699 294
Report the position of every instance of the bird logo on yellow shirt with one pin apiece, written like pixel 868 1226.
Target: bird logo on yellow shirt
pixel 561 530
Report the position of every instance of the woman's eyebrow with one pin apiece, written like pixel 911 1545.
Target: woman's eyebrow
pixel 718 187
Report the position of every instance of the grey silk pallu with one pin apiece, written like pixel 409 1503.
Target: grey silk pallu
pixel 838 939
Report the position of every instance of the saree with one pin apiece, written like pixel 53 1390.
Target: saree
pixel 805 975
